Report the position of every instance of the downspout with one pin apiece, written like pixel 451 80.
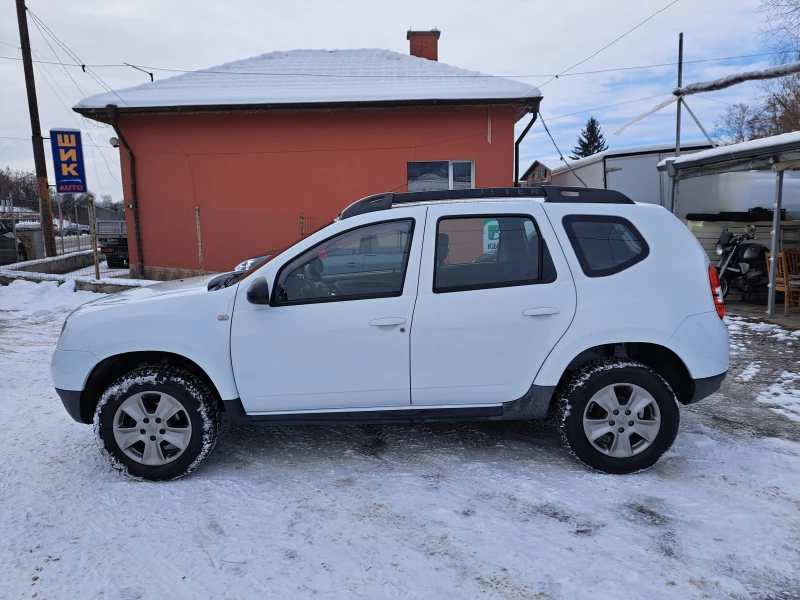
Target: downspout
pixel 518 142
pixel 112 116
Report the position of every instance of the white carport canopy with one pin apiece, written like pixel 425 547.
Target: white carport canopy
pixel 777 153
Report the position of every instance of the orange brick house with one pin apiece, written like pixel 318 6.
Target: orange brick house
pixel 254 144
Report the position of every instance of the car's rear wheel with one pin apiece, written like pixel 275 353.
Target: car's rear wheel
pixel 156 423
pixel 618 416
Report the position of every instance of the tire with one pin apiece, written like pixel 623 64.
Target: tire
pixel 620 380
pixel 725 286
pixel 23 253
pixel 133 403
pixel 115 263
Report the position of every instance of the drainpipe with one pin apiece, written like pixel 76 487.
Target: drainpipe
pixel 516 147
pixel 112 116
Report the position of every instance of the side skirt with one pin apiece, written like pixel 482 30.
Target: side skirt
pixel 533 405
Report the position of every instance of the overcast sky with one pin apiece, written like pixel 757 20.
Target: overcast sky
pixel 530 38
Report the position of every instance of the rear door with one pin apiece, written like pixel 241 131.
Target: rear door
pixel 495 295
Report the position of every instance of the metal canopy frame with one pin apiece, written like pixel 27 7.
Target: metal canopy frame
pixel 779 157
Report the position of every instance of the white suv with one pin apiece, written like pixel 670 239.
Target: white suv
pixel 483 304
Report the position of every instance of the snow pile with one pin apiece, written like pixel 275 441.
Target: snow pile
pixel 784 396
pixel 28 299
pixel 317 76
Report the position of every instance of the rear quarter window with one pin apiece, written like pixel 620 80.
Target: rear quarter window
pixel 605 244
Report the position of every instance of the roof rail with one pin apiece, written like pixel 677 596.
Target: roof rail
pixel 550 193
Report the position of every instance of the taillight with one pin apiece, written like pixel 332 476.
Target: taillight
pixel 716 290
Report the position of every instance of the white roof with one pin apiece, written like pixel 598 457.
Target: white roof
pixel 734 151
pixel 317 76
pixel 629 150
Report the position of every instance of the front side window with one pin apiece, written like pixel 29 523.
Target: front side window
pixel 605 244
pixel 489 251
pixel 431 176
pixel 367 262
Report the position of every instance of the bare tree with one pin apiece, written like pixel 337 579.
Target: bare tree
pixel 782 31
pixel 735 125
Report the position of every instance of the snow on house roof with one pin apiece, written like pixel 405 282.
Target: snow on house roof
pixel 627 151
pixel 316 77
pixel 775 143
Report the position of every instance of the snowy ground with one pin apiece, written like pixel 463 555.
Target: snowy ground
pixel 425 511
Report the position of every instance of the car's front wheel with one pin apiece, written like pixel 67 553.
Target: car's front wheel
pixel 156 423
pixel 617 415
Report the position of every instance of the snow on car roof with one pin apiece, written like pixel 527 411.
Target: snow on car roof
pixel 317 76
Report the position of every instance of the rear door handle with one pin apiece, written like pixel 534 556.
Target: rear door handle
pixel 387 321
pixel 542 311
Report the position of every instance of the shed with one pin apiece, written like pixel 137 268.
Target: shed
pixel 778 154
pixel 249 156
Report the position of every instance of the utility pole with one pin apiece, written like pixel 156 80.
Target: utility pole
pixel 36 132
pixel 680 101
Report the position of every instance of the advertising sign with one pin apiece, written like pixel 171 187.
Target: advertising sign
pixel 68 161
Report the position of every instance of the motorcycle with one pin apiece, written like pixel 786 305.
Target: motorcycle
pixel 742 263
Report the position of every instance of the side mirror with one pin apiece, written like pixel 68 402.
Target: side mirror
pixel 258 292
pixel 751 228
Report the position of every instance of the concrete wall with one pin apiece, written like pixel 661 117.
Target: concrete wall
pixel 253 174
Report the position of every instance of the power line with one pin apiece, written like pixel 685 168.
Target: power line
pixel 612 42
pixel 607 106
pixel 561 156
pixel 337 76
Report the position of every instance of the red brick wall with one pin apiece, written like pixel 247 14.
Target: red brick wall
pixel 253 174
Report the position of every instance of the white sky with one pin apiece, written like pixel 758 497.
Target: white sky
pixel 504 37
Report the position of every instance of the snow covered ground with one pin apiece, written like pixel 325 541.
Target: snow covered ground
pixel 493 510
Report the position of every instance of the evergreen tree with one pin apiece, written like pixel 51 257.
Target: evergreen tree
pixel 591 140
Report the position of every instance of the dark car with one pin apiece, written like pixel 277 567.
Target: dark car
pixel 11 249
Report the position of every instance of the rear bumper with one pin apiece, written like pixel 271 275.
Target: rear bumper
pixel 706 386
pixel 72 402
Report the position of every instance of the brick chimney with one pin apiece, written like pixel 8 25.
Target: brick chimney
pixel 424 44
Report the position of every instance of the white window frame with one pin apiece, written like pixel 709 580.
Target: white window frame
pixel 450 170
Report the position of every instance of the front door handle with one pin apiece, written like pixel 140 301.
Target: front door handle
pixel 387 321
pixel 542 311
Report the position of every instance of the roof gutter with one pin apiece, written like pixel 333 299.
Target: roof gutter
pixel 518 142
pixel 99 114
pixel 111 110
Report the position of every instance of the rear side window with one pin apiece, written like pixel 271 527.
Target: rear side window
pixel 605 244
pixel 480 252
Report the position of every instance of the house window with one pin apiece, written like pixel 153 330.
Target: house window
pixel 543 174
pixel 435 175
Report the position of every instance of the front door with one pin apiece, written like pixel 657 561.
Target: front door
pixel 495 296
pixel 336 334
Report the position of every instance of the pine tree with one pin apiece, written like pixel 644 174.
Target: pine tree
pixel 591 140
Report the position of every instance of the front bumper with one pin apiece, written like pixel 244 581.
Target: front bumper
pixel 72 402
pixel 706 386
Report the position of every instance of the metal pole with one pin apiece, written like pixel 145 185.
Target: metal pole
pixel 199 239
pixel 36 131
pixel 14 227
pixel 680 100
pixel 79 228
pixel 696 120
pixel 776 243
pixel 60 222
pixel 93 232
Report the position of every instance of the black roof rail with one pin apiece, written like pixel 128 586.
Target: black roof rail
pixel 550 193
pixel 557 193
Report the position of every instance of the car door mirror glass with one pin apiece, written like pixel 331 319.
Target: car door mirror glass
pixel 258 292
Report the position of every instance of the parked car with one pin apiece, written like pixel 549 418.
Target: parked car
pixel 11 248
pixel 594 309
